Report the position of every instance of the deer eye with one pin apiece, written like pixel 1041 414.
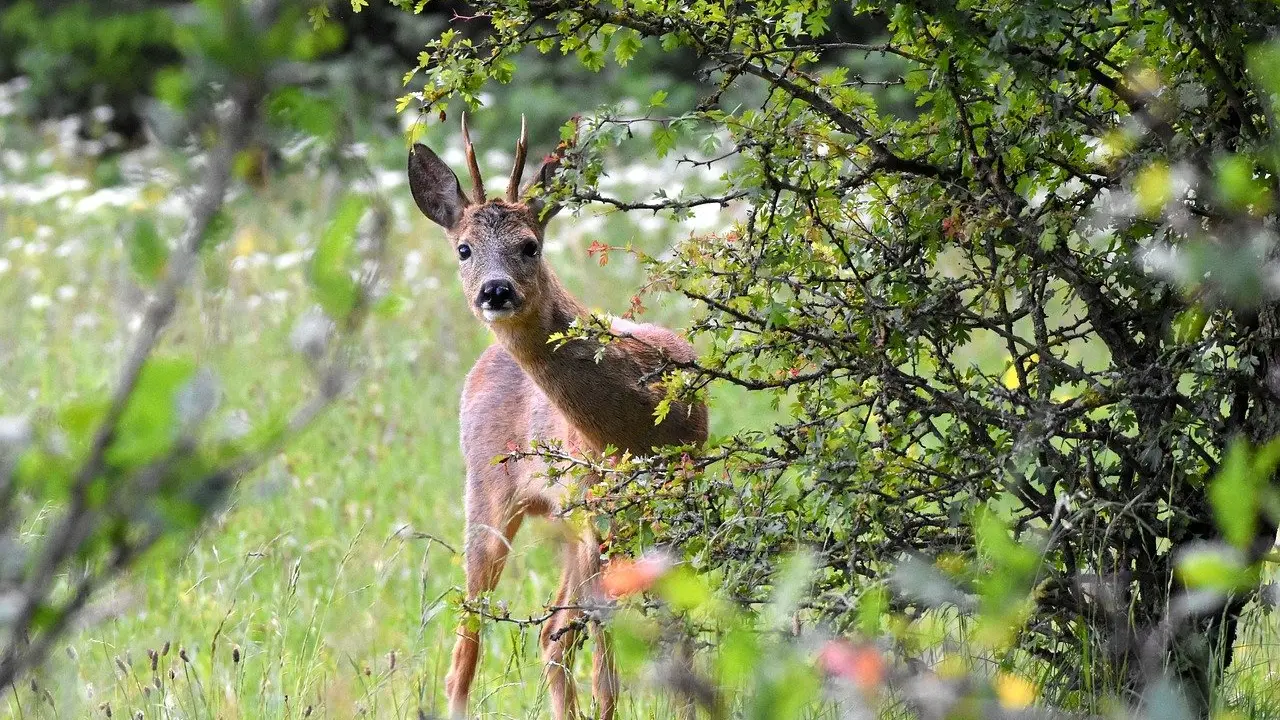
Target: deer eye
pixel 530 249
pixel 464 251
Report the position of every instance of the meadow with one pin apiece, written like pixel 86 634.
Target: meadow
pixel 328 587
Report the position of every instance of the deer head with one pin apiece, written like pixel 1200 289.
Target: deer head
pixel 498 242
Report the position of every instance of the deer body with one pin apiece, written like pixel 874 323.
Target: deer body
pixel 524 390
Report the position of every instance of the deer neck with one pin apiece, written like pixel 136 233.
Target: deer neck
pixel 602 391
pixel 527 339
pixel 575 378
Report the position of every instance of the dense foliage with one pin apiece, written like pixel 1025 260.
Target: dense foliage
pixel 1045 290
pixel 123 55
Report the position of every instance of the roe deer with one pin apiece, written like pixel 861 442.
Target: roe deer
pixel 524 390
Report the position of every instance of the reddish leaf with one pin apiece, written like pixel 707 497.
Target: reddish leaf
pixel 629 577
pixel 861 665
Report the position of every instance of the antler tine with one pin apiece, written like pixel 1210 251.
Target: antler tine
pixel 477 183
pixel 517 171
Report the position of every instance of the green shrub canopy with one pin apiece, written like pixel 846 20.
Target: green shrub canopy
pixel 1012 255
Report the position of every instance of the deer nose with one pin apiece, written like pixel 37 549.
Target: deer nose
pixel 496 295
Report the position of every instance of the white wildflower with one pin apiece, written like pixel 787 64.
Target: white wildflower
pixel 15 432
pixel 285 261
pixel 356 150
pixel 108 197
pixel 13 161
pixel 69 248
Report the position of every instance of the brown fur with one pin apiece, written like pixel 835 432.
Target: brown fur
pixel 523 390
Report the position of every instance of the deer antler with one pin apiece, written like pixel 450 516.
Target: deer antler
pixel 517 171
pixel 477 183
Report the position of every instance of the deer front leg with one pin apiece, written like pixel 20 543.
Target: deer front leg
pixel 490 528
pixel 556 638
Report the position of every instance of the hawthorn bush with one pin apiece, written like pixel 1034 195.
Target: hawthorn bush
pixel 1014 256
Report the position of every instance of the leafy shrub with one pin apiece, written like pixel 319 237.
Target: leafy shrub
pixel 994 306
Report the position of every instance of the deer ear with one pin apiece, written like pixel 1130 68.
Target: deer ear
pixel 535 192
pixel 435 187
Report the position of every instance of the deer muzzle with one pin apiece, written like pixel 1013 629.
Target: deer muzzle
pixel 497 299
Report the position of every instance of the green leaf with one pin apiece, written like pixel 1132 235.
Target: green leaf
pixel 1011 559
pixel 1153 188
pixel 1264 63
pixel 1188 327
pixel 297 109
pixel 218 230
pixel 1238 185
pixel 591 58
pixel 683 589
pixel 390 305
pixel 664 139
pixel 502 70
pixel 785 692
pixel 739 652
pixel 172 86
pixel 1236 491
pixel 790 585
pixel 331 278
pixel 627 47
pixel 1215 567
pixel 872 606
pixel 318 16
pixel 631 636
pixel 148 425
pixel 148 253
pixel 1233 493
pixel 80 419
pixel 661 411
